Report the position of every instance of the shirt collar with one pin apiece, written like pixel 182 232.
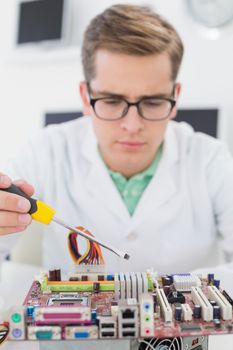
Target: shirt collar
pixel 148 172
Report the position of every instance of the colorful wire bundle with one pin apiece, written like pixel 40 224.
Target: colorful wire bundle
pixel 93 254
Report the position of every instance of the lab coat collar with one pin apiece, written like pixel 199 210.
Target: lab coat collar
pixel 162 186
pixel 98 181
pixel 160 189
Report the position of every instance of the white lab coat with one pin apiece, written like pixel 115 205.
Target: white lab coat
pixel 184 212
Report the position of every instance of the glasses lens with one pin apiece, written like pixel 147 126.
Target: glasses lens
pixel 154 108
pixel 110 108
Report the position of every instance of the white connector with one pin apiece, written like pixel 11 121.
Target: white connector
pixel 139 284
pixel 128 285
pixel 133 285
pixel 122 285
pixel 225 307
pixel 199 298
pixel 146 315
pixel 187 312
pixel 90 268
pixel 117 285
pixel 165 306
pixel 145 282
pixel 87 269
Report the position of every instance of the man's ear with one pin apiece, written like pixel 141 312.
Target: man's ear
pixel 177 90
pixel 84 96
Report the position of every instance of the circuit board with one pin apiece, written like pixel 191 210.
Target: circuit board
pixel 133 305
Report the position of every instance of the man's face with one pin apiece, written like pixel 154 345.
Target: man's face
pixel 129 145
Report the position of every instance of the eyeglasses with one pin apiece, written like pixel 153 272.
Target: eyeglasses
pixel 149 108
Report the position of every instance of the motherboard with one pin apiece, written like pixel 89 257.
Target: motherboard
pixel 177 311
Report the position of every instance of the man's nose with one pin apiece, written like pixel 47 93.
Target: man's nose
pixel 132 121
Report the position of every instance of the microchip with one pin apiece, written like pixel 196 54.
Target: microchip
pixel 190 327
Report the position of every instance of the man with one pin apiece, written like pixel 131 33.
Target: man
pixel 127 172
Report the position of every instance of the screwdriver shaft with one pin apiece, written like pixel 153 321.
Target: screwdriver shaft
pixel 93 239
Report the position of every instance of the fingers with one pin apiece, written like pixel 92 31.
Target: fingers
pixel 5 181
pixel 8 230
pixel 14 219
pixel 25 187
pixel 14 209
pixel 14 203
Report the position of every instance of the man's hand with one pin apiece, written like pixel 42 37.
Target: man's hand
pixel 13 208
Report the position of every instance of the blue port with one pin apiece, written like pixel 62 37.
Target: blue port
pixel 146 306
pixel 81 335
pixel 44 335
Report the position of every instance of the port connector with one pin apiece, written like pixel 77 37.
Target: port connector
pixel 107 325
pixel 146 306
pixel 128 325
pixel 128 313
pixel 128 334
pixel 81 335
pixel 44 335
pixel 107 334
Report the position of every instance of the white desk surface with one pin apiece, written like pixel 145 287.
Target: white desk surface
pixel 16 280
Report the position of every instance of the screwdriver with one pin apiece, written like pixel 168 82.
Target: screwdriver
pixel 43 213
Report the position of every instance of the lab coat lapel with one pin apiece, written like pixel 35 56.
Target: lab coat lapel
pixel 162 186
pixel 99 182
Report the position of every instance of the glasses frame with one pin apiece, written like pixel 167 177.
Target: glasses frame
pixel 129 104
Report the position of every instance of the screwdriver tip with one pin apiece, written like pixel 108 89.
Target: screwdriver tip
pixel 126 256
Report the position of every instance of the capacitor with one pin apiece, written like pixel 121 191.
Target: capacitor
pixel 170 278
pixel 96 287
pixel 213 303
pixel 210 277
pixel 197 311
pixel 58 274
pixel 216 312
pixel 52 275
pixel 100 277
pixel 110 277
pixel 217 283
pixel 166 281
pixel 84 278
pixel 93 314
pixel 178 312
pixel 30 311
pixel 167 289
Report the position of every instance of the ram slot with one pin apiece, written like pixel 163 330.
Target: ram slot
pixel 199 298
pixel 225 307
pixel 164 304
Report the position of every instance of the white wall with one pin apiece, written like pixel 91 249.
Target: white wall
pixel 38 80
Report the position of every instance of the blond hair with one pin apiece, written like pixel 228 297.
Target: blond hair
pixel 132 30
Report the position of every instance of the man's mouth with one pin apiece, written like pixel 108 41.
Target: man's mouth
pixel 127 144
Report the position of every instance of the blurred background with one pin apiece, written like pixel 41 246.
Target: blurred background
pixel 40 65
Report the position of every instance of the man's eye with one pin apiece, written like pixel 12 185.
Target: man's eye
pixel 112 102
pixel 153 103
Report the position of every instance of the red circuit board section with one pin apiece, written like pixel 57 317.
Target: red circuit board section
pixel 125 306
